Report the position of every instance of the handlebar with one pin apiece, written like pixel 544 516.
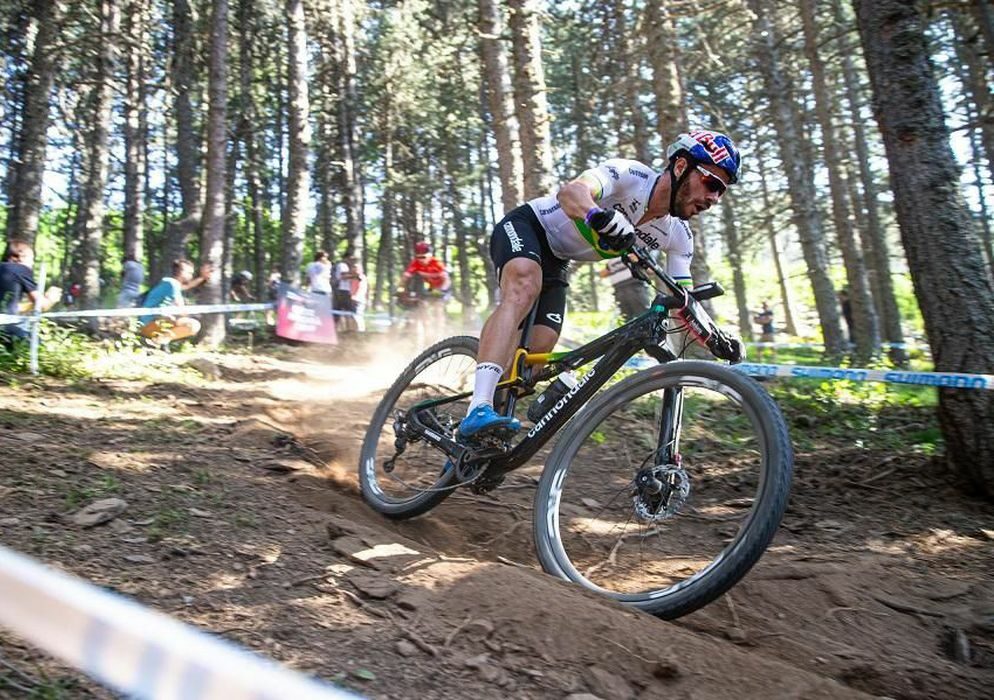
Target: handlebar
pixel 684 302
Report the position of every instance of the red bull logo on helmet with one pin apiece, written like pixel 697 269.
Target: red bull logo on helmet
pixel 716 151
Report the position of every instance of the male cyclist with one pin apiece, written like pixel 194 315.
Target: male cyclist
pixel 428 269
pixel 599 215
pixel 426 281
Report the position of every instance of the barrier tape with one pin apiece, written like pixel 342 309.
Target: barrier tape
pixel 949 380
pixel 133 649
pixel 191 310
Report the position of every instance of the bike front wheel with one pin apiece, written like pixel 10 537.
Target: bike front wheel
pixel 666 489
pixel 408 480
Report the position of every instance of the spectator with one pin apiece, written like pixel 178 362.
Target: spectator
pixel 162 330
pixel 132 277
pixel 764 319
pixel 631 294
pixel 241 291
pixel 71 296
pixel 272 294
pixel 17 281
pixel 360 290
pixel 846 307
pixel 319 274
pixel 343 292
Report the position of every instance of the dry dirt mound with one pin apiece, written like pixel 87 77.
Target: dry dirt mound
pixel 243 517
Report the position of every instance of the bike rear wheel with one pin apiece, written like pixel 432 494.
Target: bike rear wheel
pixel 665 534
pixel 417 480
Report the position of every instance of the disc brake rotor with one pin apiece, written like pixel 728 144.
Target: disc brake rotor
pixel 660 492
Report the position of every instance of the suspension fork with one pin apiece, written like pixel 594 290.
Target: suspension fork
pixel 670 420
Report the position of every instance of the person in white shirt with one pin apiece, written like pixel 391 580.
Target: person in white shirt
pixel 319 274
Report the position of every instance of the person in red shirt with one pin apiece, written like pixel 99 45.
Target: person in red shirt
pixel 426 287
pixel 429 269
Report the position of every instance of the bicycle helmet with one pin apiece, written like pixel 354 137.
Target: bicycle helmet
pixel 422 248
pixel 702 146
pixel 708 147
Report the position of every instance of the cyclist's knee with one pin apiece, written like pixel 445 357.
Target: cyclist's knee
pixel 520 283
pixel 543 339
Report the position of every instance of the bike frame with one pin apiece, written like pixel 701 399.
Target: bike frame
pixel 646 332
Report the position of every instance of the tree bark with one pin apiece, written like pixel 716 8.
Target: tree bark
pixel 185 79
pixel 734 245
pixel 631 111
pixel 865 325
pixel 975 82
pixel 352 194
pixel 384 255
pixel 91 211
pixel 27 165
pixel 501 103
pixel 299 138
pixel 876 235
pixel 531 102
pixel 801 185
pixel 135 133
pixel 212 235
pixel 667 82
pixel 790 327
pixel 953 290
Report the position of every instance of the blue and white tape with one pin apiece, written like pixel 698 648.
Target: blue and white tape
pixel 191 310
pixel 135 650
pixel 950 380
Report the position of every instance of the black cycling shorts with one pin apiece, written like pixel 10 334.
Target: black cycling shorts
pixel 520 235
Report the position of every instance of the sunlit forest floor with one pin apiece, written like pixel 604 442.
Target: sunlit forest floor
pixel 238 470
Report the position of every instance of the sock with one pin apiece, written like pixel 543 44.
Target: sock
pixel 487 376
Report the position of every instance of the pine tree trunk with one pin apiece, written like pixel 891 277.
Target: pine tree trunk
pixel 384 255
pixel 984 13
pixel 953 289
pixel 247 38
pixel 790 327
pixel 352 193
pixel 299 138
pixel 135 136
pixel 734 245
pixel 27 166
pixel 886 299
pixel 91 212
pixel 799 177
pixel 500 97
pixel 626 31
pixel 865 325
pixel 975 82
pixel 531 102
pixel 667 83
pixel 212 236
pixel 184 77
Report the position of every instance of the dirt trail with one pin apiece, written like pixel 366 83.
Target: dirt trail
pixel 243 517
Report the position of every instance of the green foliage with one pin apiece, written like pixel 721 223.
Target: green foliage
pixel 62 353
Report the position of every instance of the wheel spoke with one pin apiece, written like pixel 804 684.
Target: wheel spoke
pixel 656 529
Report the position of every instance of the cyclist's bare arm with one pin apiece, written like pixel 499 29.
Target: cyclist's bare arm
pixel 577 196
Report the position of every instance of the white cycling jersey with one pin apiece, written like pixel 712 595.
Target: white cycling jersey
pixel 624 185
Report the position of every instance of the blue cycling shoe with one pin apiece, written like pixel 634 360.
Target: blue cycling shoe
pixel 484 420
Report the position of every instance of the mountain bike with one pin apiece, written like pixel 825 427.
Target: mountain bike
pixel 661 492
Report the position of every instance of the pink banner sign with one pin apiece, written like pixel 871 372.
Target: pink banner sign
pixel 305 316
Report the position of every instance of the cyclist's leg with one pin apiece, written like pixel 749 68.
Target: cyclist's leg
pixel 550 315
pixel 520 285
pixel 527 269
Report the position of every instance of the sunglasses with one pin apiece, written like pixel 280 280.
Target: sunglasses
pixel 712 181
